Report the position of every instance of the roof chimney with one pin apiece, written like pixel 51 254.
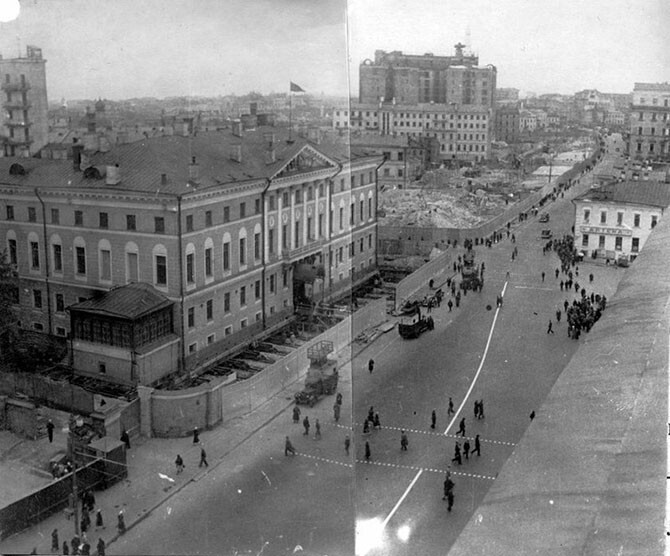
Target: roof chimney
pixel 253 108
pixel 76 154
pixel 270 156
pixel 193 170
pixel 112 175
pixel 164 179
pixel 236 153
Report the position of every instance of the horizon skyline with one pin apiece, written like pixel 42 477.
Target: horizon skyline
pixel 205 48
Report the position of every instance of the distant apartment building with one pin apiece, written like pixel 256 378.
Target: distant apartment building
pixel 226 231
pixel 650 121
pixel 24 125
pixel 527 121
pixel 506 96
pixel 507 124
pixel 462 133
pixel 616 219
pixel 422 79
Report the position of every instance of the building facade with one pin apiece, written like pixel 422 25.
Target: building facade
pixel 234 227
pixel 24 124
pixel 615 220
pixel 507 126
pixel 650 122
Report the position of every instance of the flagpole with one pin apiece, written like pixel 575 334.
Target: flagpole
pixel 290 114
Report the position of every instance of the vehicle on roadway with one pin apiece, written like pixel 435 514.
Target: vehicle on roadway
pixel 544 217
pixel 414 329
pixel 546 234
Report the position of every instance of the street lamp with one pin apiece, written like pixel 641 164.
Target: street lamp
pixel 75 422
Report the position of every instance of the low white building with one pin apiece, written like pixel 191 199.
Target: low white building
pixel 615 220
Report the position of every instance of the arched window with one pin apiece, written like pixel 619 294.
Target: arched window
pixel 242 247
pixel 226 253
pixel 34 251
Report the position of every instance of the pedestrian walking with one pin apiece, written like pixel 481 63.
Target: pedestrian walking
pixel 121 523
pixel 561 284
pixel 296 414
pixel 84 522
pixel 99 524
pixel 179 464
pixel 457 454
pixel 549 328
pixel 404 442
pixel 450 410
pixel 366 426
pixel 347 444
pixel 461 427
pixel 101 547
pixel 338 399
pixel 532 415
pixel 74 544
pixel 288 447
pixel 477 447
pixel 449 493
pixel 85 548
pixel 367 451
pixel 476 409
pixel 125 438
pixel 450 304
pixel 481 409
pixel 558 315
pixel 590 277
pixel 196 435
pixel 305 424
pixel 336 412
pixel 55 543
pixel 50 434
pixel 66 548
pixel 317 430
pixel 466 448
pixel 557 272
pixel 371 365
pixel 433 419
pixel 376 424
pixel 371 414
pixel 543 276
pixel 203 458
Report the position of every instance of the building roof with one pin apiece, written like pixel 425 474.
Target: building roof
pixel 141 164
pixel 129 302
pixel 664 87
pixel 650 193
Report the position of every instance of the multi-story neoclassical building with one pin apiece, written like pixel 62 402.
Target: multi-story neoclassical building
pixel 616 219
pixel 232 227
pixel 649 136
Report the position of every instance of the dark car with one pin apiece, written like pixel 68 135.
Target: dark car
pixel 544 217
pixel 546 234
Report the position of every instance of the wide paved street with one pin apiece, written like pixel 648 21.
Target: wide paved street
pixel 260 502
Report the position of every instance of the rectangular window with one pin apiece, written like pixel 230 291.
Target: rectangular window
pixel 105 264
pixel 271 202
pixel 226 256
pixel 585 240
pixel 635 245
pixel 369 207
pixel 226 214
pixel 208 262
pixel 285 199
pixel 298 196
pixel 208 218
pixel 58 257
pixel 243 210
pixel 636 220
pixel 654 221
pixel 284 278
pixel 80 255
pixel 320 225
pixel 10 212
pixel 34 255
pixel 243 323
pixel 32 214
pixel 603 217
pixel 55 216
pixel 309 228
pixel 131 270
pixel 257 246
pixel 284 236
pixel 191 317
pixel 192 348
pixel 619 218
pixel 601 242
pixel 257 289
pixel 103 220
pixel 161 270
pixel 228 330
pixel 190 270
pixel 159 224
pixel 243 247
pixel 78 218
pixel 226 302
pixel 351 214
pixel 257 206
pixel 271 241
pixel 210 309
pixel 13 252
pixel 210 339
pixel 618 243
pixel 296 235
pixel 130 222
pixel 341 218
pixel 60 302
pixel 273 284
pixel 189 222
pixel 243 296
pixel 37 299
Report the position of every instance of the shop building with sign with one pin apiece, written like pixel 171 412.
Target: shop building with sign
pixel 615 220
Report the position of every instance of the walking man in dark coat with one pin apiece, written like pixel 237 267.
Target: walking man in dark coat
pixel 196 435
pixel 457 454
pixel 288 447
pixel 450 410
pixel 305 423
pixel 461 427
pixel 480 415
pixel 433 419
pixel 55 544
pixel 296 414
pixel 466 448
pixel 347 444
pixel 477 446
pixel 50 434
pixel 336 412
pixel 404 442
pixel 549 328
pixel 203 458
pixel 367 451
pixel 101 547
pixel 371 365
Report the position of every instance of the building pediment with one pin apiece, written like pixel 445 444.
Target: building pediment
pixel 306 160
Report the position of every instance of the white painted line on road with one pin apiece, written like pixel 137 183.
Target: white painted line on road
pixel 460 408
pixel 535 288
pixel 395 508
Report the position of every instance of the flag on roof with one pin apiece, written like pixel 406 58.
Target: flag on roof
pixel 296 88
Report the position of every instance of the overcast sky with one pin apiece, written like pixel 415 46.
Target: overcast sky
pixel 130 48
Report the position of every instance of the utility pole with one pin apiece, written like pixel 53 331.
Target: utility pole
pixel 75 498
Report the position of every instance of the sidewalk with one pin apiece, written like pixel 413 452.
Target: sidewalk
pixel 144 490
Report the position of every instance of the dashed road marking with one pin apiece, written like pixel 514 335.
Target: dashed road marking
pixel 396 466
